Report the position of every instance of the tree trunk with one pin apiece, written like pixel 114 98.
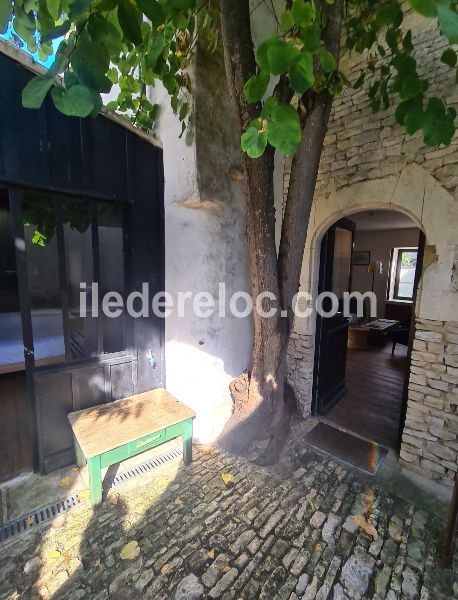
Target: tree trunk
pixel 259 407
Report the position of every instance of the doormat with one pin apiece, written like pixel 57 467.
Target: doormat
pixel 359 453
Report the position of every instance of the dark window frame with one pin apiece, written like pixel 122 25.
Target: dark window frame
pixel 16 194
pixel 397 255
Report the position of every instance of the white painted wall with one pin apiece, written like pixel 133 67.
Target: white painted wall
pixel 204 245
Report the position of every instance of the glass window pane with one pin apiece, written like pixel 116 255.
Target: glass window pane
pixel 76 217
pixel 406 273
pixel 111 271
pixel 43 277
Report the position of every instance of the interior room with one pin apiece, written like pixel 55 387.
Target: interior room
pixel 383 260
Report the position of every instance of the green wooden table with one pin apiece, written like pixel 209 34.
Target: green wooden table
pixel 107 434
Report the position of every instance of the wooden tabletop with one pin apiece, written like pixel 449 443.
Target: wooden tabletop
pixel 107 426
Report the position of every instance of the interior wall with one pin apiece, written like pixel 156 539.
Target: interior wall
pixel 379 243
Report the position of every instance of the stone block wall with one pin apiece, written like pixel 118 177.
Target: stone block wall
pixel 363 146
pixel 430 438
pixel 299 363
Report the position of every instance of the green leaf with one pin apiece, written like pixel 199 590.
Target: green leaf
pixel 448 23
pixel 78 101
pixel 153 10
pixel 56 32
pixel 254 141
pixel 130 21
pixel 77 8
pixel 270 103
pixel 438 124
pixel 413 120
pixel 286 20
pixel 389 13
pixel 301 75
pixel 427 8
pixel 359 82
pixel 407 42
pixel 303 12
pixel 404 107
pixel 106 4
pixel 327 60
pixel 261 53
pixel 105 33
pixel 449 57
pixel 90 61
pixel 6 13
pixel 183 111
pixel 281 57
pixel 284 129
pixel 53 8
pixel 35 91
pixel 256 86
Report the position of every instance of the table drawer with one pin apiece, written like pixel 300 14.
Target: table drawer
pixel 146 442
pixel 174 431
pixel 114 456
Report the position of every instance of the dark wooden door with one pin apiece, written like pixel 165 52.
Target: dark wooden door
pixel 332 332
pixel 86 200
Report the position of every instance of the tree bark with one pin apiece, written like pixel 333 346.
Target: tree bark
pixel 259 407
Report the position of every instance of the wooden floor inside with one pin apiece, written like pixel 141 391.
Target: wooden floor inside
pixel 15 454
pixel 371 406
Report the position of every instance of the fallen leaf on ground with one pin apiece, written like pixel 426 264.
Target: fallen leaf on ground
pixel 30 520
pixel 166 569
pixel 178 501
pixel 228 478
pixel 401 538
pixel 211 553
pixel 365 526
pixel 226 569
pixel 318 547
pixel 52 556
pixel 130 551
pixel 163 482
pixel 64 481
pixel 84 495
pixel 311 503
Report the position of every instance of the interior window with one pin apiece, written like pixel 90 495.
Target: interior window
pixel 402 280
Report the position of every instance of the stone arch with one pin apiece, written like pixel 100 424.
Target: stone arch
pixel 416 193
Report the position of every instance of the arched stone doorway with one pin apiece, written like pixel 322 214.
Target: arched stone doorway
pixel 430 438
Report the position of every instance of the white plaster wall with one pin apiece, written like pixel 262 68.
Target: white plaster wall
pixel 204 245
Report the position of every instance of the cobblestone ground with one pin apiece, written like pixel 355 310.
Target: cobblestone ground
pixel 285 532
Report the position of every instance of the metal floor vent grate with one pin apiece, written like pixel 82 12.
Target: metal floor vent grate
pixel 46 513
pixel 146 467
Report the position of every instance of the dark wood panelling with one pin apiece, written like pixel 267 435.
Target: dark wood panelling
pixel 147 247
pixel 26 160
pixel 122 379
pixel 104 157
pixel 53 394
pixel 94 159
pixel 89 387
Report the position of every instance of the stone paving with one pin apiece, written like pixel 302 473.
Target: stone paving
pixel 227 528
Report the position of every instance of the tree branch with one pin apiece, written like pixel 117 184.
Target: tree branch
pixel 304 169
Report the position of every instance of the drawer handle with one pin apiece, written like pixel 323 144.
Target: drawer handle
pixel 151 439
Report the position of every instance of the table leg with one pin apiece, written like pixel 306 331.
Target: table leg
pixel 187 441
pixel 95 480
